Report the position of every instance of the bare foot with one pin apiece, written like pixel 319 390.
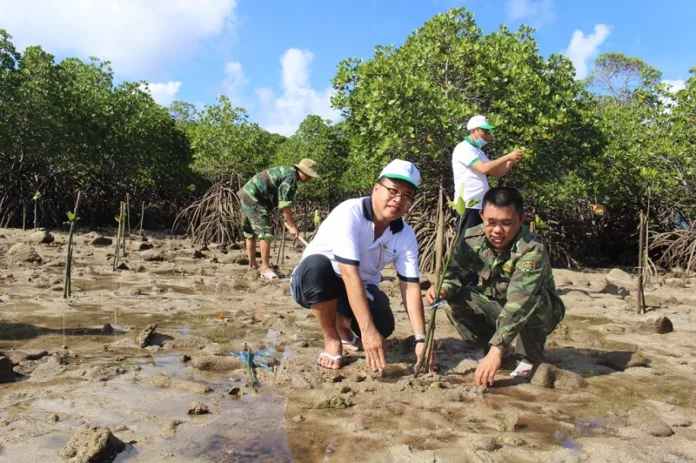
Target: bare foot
pixel 332 356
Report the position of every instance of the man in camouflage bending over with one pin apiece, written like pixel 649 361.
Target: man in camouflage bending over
pixel 516 306
pixel 274 187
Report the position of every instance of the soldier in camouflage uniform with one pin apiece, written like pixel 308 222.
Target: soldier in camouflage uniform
pixel 516 306
pixel 267 190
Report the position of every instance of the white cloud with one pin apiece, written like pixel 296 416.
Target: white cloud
pixel 283 114
pixel 235 81
pixel 136 36
pixel 537 12
pixel 163 92
pixel 582 48
pixel 673 86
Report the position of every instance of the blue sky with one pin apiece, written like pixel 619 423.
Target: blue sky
pixel 276 58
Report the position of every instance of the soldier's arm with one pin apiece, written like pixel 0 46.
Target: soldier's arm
pixel 525 283
pixel 286 193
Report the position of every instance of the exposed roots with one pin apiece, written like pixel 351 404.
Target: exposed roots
pixel 676 249
pixel 216 217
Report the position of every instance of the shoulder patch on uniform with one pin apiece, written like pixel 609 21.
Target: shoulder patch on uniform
pixel 527 266
pixel 507 268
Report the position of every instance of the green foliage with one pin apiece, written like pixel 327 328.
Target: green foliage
pixel 414 101
pixel 329 147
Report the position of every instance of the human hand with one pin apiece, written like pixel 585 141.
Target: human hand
pixel 430 295
pixel 515 156
pixel 375 349
pixel 488 367
pixel 293 232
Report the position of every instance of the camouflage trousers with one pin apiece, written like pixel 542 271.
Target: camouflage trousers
pixel 256 222
pixel 475 316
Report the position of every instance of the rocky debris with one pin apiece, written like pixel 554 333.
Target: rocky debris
pixel 107 329
pixel 653 324
pixel 145 335
pixel 509 423
pixel 337 401
pixel 122 266
pixel 198 254
pixel 647 421
pixel 152 255
pixel 620 278
pixel 186 342
pixel 92 444
pixel 129 291
pixel 41 237
pixel 48 371
pixel 18 356
pixel 22 252
pixel 235 392
pixel 621 361
pixel 550 377
pixel 160 380
pixel 96 373
pixel 217 363
pixel 675 282
pixel 101 240
pixel 198 408
pixel 7 374
pixel 655 300
pixel 141 246
pixel 485 443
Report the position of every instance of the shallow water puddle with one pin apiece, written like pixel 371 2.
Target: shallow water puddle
pixel 249 429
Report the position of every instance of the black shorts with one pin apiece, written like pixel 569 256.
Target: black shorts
pixel 315 281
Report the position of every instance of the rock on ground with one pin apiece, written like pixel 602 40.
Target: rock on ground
pixel 151 255
pixel 22 252
pixel 92 444
pixel 101 241
pixel 145 335
pixel 160 380
pixel 653 324
pixel 41 237
pixel 217 363
pixel 647 421
pixel 551 377
pixel 198 408
pixel 620 361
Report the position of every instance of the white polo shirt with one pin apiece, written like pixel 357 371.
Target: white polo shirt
pixel 475 185
pixel 347 236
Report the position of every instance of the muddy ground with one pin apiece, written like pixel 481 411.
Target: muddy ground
pixel 618 386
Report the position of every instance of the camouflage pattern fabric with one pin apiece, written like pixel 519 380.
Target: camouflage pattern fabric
pixel 517 296
pixel 256 223
pixel 274 187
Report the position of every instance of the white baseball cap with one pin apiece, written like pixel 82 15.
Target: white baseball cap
pixel 402 170
pixel 479 122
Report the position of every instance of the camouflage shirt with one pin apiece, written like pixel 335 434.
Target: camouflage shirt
pixel 511 278
pixel 274 187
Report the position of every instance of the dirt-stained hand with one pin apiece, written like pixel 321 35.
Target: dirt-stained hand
pixel 488 367
pixel 420 352
pixel 375 349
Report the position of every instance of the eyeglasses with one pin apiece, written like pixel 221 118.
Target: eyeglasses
pixel 394 193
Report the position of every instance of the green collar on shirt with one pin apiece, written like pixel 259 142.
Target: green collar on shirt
pixel 470 141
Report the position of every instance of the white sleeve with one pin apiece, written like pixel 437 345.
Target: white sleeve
pixel 346 233
pixel 406 262
pixel 465 154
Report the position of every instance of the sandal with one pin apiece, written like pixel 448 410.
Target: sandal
pixel 269 275
pixel 354 342
pixel 333 358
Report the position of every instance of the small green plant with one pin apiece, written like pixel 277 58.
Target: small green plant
pixel 460 206
pixel 72 219
pixel 120 235
pixel 36 198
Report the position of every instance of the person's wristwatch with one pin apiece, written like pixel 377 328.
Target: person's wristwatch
pixel 420 338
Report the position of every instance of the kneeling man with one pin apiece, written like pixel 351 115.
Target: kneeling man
pixel 516 306
pixel 340 271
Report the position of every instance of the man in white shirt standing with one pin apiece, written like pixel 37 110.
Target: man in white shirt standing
pixel 471 166
pixel 339 275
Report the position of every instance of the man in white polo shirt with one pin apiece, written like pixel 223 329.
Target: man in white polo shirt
pixel 471 166
pixel 340 271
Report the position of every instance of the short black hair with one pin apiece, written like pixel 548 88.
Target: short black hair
pixel 504 196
